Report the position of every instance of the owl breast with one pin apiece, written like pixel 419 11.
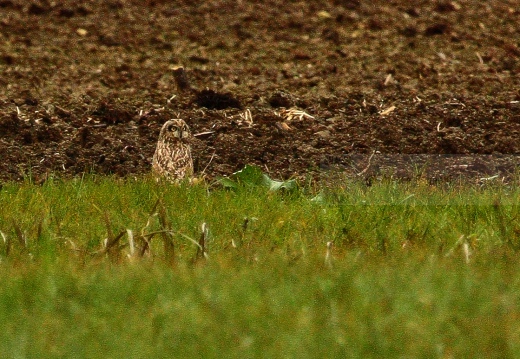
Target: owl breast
pixel 172 158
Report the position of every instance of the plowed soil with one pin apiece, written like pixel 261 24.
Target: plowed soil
pixel 395 87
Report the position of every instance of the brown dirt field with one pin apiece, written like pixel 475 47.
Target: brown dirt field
pixel 395 87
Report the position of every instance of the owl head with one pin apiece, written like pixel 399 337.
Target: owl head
pixel 175 130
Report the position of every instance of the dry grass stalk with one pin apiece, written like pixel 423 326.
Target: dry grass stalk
pixel 131 243
pixel 292 114
pixel 246 118
pixel 111 240
pixel 110 245
pixel 480 59
pixel 387 111
pixel 39 230
pixel 203 173
pixel 328 255
pixel 168 245
pixel 466 251
pixel 201 248
pixel 22 240
pixel 145 247
pixel 464 246
pixel 244 227
pixel 146 238
pixel 389 79
pixel 112 249
pixel 7 243
pixel 203 134
pixel 368 165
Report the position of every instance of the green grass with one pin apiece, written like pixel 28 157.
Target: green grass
pixel 416 271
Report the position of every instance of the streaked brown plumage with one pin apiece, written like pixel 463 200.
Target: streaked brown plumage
pixel 172 158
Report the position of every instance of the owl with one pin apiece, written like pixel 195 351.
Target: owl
pixel 172 158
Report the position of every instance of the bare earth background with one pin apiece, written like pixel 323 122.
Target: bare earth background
pixel 392 86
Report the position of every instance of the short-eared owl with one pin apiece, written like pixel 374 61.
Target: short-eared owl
pixel 172 157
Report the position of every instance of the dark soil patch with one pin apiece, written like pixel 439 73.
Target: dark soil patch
pixel 86 86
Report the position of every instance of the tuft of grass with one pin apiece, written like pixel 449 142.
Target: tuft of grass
pixel 99 266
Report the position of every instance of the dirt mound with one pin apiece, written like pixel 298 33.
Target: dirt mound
pixel 86 86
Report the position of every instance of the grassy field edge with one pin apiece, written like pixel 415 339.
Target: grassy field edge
pixel 101 266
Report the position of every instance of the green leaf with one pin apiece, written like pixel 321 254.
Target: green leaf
pixel 227 182
pixel 274 185
pixel 253 176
